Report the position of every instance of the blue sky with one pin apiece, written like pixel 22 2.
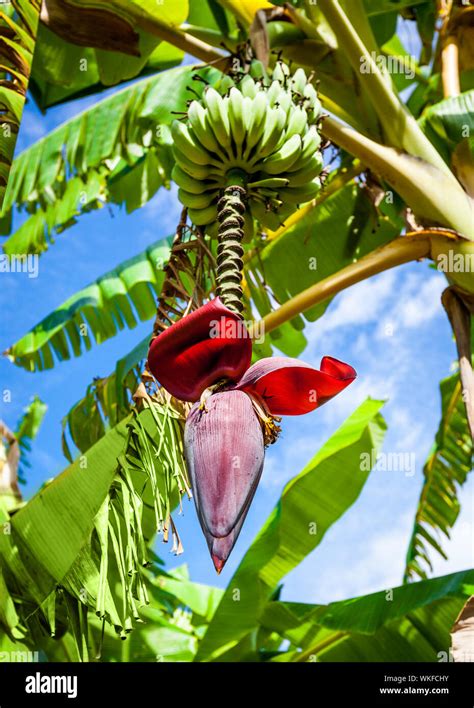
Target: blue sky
pixel 392 329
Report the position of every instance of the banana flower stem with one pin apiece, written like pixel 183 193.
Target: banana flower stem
pixel 230 215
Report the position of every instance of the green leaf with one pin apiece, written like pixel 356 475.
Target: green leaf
pixel 30 422
pixel 310 503
pixel 44 539
pixel 378 7
pixel 119 150
pixel 63 70
pixel 445 471
pixel 201 599
pixel 407 623
pixel 18 26
pixel 54 526
pixel 27 430
pixel 107 575
pixel 449 122
pixel 116 300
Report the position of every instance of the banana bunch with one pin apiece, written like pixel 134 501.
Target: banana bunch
pixel 261 131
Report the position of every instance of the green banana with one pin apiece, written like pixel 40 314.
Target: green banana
pixel 311 169
pixel 236 118
pixel 281 72
pixel 313 100
pixel 191 168
pixel 272 182
pixel 272 133
pixel 272 220
pixel 257 122
pixel 273 92
pixel 311 143
pixel 264 126
pixel 269 196
pixel 298 81
pixel 309 92
pixel 265 217
pixel 247 110
pixel 300 195
pixel 197 118
pixel 283 158
pixel 225 84
pixel 284 101
pixel 197 201
pixel 297 122
pixel 218 115
pixel 183 141
pixel 202 217
pixel 188 183
pixel 258 72
pixel 248 87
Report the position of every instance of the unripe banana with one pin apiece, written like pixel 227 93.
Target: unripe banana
pixel 283 158
pixel 298 81
pixel 265 217
pixel 188 183
pixel 311 169
pixel 197 118
pixel 300 195
pixel 314 103
pixel 225 84
pixel 273 92
pixel 199 172
pixel 281 72
pixel 184 141
pixel 272 182
pixel 297 122
pixel 265 131
pixel 202 217
pixel 273 132
pixel 197 201
pixel 236 118
pixel 311 143
pixel 256 125
pixel 248 87
pixel 219 118
pixel 247 108
pixel 258 72
pixel 284 101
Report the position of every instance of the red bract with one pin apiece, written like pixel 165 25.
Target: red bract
pixel 196 352
pixel 224 433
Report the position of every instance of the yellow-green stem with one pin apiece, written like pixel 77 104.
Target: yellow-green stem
pixel 399 125
pixel 183 40
pixel 417 182
pixel 401 250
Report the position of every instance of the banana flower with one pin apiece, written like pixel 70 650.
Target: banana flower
pixel 205 359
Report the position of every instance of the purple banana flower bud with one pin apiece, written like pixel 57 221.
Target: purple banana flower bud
pixel 224 450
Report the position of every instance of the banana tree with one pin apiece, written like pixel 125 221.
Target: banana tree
pixel 244 134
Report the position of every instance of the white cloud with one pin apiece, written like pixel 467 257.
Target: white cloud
pixel 351 568
pixel 421 304
pixel 359 305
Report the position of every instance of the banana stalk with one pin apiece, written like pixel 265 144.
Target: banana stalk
pixel 230 214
